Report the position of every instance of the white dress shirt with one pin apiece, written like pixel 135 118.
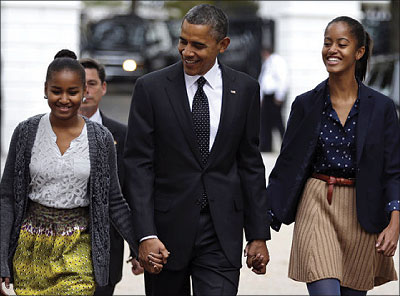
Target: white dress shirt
pixel 213 90
pixel 59 180
pixel 274 77
pixel 96 117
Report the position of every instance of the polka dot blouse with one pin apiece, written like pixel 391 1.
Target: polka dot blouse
pixel 336 146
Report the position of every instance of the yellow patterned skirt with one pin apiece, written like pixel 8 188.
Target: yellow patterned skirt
pixel 53 256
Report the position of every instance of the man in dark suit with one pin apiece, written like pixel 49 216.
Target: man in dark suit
pixel 96 88
pixel 193 166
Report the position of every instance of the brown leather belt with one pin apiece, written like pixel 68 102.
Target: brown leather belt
pixel 333 181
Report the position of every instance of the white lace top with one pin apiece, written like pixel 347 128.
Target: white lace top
pixel 59 181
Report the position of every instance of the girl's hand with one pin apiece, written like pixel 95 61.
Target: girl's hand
pixel 6 284
pixel 136 267
pixel 386 243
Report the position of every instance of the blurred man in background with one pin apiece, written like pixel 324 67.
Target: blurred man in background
pixel 96 88
pixel 273 81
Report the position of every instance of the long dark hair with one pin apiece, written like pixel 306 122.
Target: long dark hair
pixel 363 39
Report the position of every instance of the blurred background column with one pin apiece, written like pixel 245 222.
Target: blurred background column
pixel 31 34
pixel 395 25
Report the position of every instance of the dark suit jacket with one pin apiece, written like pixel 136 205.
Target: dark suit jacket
pixel 118 130
pixel 164 172
pixel 377 151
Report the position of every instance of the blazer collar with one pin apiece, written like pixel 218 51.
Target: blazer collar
pixel 318 100
pixel 366 107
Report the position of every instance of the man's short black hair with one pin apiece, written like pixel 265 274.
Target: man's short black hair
pixel 205 14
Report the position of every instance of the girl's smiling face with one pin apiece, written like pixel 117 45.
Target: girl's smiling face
pixel 340 51
pixel 64 91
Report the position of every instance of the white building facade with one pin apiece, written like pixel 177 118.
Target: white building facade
pixel 299 35
pixel 31 34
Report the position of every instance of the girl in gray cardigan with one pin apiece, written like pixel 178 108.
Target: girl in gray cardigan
pixel 58 191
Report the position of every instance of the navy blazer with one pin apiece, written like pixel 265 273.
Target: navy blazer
pixel 377 153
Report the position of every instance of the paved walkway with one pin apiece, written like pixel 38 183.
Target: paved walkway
pixel 275 282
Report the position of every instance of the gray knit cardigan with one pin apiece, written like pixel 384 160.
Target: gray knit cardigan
pixel 106 200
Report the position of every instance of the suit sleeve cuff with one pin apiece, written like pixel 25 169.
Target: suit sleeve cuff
pixel 147 237
pixel 274 222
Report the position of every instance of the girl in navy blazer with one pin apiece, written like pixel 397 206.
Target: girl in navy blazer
pixel 338 174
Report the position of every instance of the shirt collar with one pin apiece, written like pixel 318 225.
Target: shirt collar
pixel 96 117
pixel 52 134
pixel 210 76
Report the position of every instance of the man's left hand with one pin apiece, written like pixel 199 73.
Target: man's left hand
pixel 257 256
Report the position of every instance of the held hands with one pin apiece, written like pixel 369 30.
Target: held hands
pixel 136 267
pixel 257 256
pixel 6 284
pixel 386 243
pixel 153 255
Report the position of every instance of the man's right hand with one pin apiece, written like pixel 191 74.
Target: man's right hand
pixel 147 260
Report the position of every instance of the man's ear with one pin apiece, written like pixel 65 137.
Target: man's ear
pixel 224 43
pixel 104 87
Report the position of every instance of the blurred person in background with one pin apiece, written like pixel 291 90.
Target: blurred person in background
pixel 338 174
pixel 193 166
pixel 96 88
pixel 59 192
pixel 274 86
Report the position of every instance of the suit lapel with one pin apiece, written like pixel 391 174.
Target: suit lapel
pixel 307 130
pixel 176 91
pixel 364 116
pixel 227 111
pixel 106 123
pixel 110 126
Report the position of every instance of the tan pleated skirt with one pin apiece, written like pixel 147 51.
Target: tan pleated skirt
pixel 328 241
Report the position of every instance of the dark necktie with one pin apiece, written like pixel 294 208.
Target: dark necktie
pixel 201 125
pixel 201 120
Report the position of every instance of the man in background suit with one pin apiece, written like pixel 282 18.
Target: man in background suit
pixel 96 88
pixel 193 167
